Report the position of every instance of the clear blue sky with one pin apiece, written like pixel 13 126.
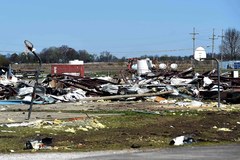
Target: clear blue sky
pixel 123 27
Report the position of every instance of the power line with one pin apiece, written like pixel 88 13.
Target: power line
pixel 146 51
pixel 154 51
pixel 12 51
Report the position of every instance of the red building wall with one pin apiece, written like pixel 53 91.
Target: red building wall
pixel 67 68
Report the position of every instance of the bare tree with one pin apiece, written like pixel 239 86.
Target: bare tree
pixel 230 46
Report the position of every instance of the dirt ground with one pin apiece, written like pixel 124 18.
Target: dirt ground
pixel 131 124
pixel 150 125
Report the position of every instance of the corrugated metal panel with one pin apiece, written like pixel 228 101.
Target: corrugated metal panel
pixel 67 69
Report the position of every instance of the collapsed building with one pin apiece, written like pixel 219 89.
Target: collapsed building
pixel 141 79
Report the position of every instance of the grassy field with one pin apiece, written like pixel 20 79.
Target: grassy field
pixel 127 130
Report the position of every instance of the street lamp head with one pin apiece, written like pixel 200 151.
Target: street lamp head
pixel 29 45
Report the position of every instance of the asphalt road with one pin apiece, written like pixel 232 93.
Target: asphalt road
pixel 223 152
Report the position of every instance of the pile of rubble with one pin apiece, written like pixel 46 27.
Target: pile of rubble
pixel 169 84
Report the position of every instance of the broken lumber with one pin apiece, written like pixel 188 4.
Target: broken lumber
pixel 125 96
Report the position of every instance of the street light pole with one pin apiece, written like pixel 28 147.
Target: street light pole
pixel 29 46
pixel 200 55
pixel 222 36
pixel 218 74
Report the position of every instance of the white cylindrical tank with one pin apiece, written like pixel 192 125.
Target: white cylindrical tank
pixel 162 66
pixel 174 66
pixel 142 67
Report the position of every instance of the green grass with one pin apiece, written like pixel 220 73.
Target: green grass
pixel 127 129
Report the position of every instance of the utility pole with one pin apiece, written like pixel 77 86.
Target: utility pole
pixel 213 38
pixel 193 38
pixel 222 36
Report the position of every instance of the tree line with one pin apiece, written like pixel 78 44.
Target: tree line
pixel 229 50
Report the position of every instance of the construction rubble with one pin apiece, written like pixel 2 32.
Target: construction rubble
pixel 182 88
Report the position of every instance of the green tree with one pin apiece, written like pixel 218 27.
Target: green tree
pixel 58 54
pixel 164 57
pixel 3 60
pixel 14 58
pixel 107 57
pixel 50 55
pixel 85 56
pixel 26 58
pixel 71 54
